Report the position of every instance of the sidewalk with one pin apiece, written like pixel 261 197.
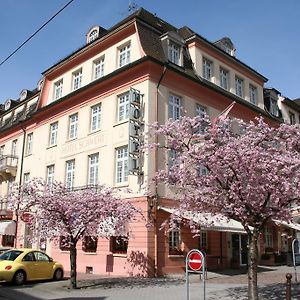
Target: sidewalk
pixel 228 285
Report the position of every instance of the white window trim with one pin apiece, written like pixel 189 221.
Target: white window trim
pixel 253 94
pixel 73 127
pixel 207 69
pixel 224 79
pixel 53 134
pixel 95 117
pixel 29 143
pixel 174 53
pixel 70 173
pixel 121 167
pixel 93 169
pixel 50 175
pixel 174 107
pixel 98 63
pixel 125 50
pixel 58 89
pixel 239 87
pixel 77 79
pixel 123 108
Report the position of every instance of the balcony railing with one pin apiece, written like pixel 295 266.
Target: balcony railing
pixel 8 166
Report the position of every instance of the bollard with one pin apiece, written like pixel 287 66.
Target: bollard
pixel 288 286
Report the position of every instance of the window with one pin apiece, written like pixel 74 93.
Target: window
pixel 53 134
pixel 253 94
pixel 174 53
pixel 8 240
pixel 64 243
pixel 93 169
pixel 77 79
pixel 203 171
pixel 70 173
pixel 239 87
pixel 174 107
pixel 14 148
pixel 201 111
pixel 119 244
pixel 174 242
pixel 95 117
pixel 268 237
pixel 73 125
pixel 50 175
pixel 29 143
pixel 273 107
pixel 122 165
pixel 123 107
pixel 89 244
pixel 58 88
pixel 171 158
pixel 224 76
pixel 207 69
pixel 124 55
pixel 203 245
pixel 292 118
pixel 26 177
pixel 93 35
pixel 99 68
pixel 2 150
pixel 40 256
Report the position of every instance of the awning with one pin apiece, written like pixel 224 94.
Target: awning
pixel 7 227
pixel 292 225
pixel 211 222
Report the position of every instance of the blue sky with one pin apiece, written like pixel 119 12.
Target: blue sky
pixel 265 33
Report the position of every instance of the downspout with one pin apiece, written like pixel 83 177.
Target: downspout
pixel 156 170
pixel 20 183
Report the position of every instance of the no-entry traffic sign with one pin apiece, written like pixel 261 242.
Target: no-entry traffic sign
pixel 195 260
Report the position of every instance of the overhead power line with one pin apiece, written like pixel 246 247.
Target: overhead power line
pixel 27 40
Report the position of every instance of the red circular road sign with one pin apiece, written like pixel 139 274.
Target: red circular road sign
pixel 195 261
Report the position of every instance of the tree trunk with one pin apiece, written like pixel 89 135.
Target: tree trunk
pixel 73 263
pixel 252 265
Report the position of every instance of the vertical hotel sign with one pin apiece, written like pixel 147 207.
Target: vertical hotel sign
pixel 136 128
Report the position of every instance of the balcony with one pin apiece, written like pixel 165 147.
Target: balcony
pixel 8 166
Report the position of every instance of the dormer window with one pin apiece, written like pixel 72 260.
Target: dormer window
pixel 174 53
pixel 92 34
pixel 274 107
pixel 58 87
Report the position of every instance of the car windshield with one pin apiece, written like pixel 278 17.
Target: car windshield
pixel 10 255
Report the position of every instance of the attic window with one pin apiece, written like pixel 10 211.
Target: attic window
pixel 92 34
pixel 23 95
pixel 174 53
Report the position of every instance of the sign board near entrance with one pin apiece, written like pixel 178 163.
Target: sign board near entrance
pixel 194 260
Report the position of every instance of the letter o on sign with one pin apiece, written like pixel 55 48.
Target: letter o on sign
pixel 195 261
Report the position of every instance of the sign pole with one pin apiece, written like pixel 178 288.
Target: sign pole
pixel 294 256
pixel 195 261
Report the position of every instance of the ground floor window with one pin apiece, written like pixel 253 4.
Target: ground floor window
pixel 64 243
pixel 268 239
pixel 174 242
pixel 89 244
pixel 119 244
pixel 203 241
pixel 8 240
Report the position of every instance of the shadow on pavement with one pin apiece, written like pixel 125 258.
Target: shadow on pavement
pixel 130 282
pixel 269 292
pixel 242 270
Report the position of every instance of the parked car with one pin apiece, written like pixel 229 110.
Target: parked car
pixel 2 250
pixel 21 265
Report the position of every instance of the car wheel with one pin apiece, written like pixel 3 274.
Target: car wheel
pixel 19 277
pixel 58 274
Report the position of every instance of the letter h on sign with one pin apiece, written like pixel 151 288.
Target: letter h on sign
pixel 135 131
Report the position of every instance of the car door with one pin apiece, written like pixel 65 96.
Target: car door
pixel 44 265
pixel 30 266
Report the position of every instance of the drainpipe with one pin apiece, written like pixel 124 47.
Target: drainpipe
pixel 20 183
pixel 156 169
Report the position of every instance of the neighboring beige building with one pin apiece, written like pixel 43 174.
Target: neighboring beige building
pixel 84 124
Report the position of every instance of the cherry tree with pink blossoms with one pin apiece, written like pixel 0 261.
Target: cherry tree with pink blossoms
pixel 249 172
pixel 57 211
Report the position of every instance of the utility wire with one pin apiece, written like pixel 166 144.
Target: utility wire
pixel 8 57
